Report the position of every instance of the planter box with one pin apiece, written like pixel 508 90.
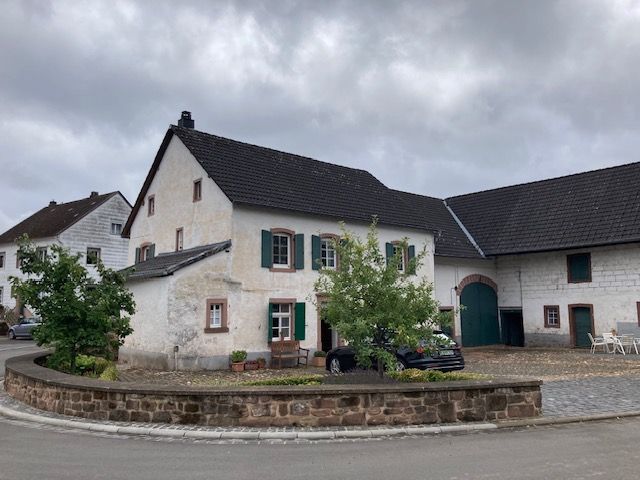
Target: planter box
pixel 237 367
pixel 318 361
pixel 251 365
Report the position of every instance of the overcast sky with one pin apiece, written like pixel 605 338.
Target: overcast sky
pixel 437 98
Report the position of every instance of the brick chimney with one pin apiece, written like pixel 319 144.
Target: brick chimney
pixel 93 194
pixel 53 203
pixel 186 121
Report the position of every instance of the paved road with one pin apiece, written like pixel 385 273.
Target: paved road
pixel 13 348
pixel 604 449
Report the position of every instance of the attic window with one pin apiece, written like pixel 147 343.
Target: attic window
pixel 579 268
pixel 151 205
pixel 116 228
pixel 197 190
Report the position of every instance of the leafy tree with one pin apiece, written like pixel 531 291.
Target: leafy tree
pixel 80 315
pixel 373 305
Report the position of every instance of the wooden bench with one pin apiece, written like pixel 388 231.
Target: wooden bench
pixel 289 349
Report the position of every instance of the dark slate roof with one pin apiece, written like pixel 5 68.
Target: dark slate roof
pixel 599 207
pixel 259 176
pixel 54 219
pixel 450 239
pixel 166 264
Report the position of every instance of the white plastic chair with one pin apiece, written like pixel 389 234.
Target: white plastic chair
pixel 628 342
pixel 597 342
pixel 609 343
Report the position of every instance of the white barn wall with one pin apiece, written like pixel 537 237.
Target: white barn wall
pixel 613 291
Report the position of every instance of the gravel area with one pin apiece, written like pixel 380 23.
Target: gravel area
pixel 549 364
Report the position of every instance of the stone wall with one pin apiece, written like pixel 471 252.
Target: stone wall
pixel 312 406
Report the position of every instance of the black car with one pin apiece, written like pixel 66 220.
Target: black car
pixel 445 356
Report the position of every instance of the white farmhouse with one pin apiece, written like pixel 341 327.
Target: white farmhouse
pixel 91 226
pixel 227 237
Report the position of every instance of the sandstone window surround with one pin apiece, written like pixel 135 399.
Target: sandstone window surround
pixel 282 250
pixel 286 319
pixel 217 316
pixel 145 252
pixel 197 190
pixel 151 205
pixel 552 316
pixel 579 268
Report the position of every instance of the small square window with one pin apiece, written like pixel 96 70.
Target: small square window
pixel 93 256
pixel 116 228
pixel 579 268
pixel 552 316
pixel 197 190
pixel 3 255
pixel 151 205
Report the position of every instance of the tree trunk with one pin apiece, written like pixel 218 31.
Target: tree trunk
pixel 380 367
pixel 72 365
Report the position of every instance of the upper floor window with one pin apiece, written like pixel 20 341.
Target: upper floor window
pixel 579 267
pixel 18 260
pixel 216 321
pixel 197 190
pixel 405 255
pixel 116 228
pixel 1 296
pixel 41 252
pixel 179 239
pixel 281 250
pixel 145 252
pixel 93 255
pixel 552 316
pixel 151 205
pixel 398 251
pixel 328 257
pixel 3 255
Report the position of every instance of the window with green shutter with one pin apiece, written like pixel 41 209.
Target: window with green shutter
pixel 579 267
pixel 315 252
pixel 298 242
pixel 266 249
pixel 300 321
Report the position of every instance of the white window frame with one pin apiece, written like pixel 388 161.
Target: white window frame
pixel 289 238
pixel 151 205
pixel 555 310
pixel 42 252
pixel 3 260
pixel 281 317
pixel 398 249
pixel 215 313
pixel 117 230
pixel 98 252
pixel 144 253
pixel 326 247
pixel 179 239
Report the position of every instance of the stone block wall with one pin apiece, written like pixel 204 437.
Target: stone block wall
pixel 321 406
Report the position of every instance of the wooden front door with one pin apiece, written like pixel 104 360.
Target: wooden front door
pixel 581 318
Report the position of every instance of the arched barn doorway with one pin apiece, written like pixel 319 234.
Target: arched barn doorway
pixel 479 314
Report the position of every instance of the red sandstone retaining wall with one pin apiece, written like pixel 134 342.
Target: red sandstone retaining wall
pixel 324 405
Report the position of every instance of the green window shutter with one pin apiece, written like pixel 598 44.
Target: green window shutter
pixel 298 240
pixel 300 321
pixel 411 255
pixel 315 252
pixel 267 249
pixel 137 259
pixel 270 323
pixel 388 247
pixel 152 250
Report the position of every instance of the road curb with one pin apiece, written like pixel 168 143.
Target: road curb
pixel 542 421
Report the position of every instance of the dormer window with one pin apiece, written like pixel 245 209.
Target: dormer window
pixel 151 205
pixel 197 190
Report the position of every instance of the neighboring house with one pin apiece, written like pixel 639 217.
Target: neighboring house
pixel 91 226
pixel 227 238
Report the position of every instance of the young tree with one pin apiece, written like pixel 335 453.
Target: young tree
pixel 376 307
pixel 79 314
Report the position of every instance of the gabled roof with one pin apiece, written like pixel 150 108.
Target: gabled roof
pixel 259 176
pixel 450 239
pixel 166 264
pixel 599 207
pixel 54 219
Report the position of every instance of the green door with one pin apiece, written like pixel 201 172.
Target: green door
pixel 582 325
pixel 479 315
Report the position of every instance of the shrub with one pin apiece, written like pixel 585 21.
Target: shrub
pixel 299 380
pixel 110 373
pixel 319 353
pixel 238 356
pixel 101 364
pixel 413 375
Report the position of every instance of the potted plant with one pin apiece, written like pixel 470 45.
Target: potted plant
pixel 262 363
pixel 318 358
pixel 251 365
pixel 237 360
